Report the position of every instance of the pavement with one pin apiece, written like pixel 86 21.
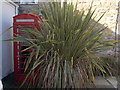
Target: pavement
pixel 9 82
pixel 110 82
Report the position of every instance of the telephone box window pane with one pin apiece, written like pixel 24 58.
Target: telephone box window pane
pixel 24 20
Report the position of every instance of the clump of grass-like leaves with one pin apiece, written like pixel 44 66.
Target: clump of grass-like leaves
pixel 64 49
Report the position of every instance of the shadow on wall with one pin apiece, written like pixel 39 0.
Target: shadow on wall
pixel 113 53
pixel 110 36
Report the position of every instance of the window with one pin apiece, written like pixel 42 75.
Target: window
pixel 28 1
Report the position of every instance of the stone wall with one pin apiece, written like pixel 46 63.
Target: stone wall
pixel 26 8
pixel 110 8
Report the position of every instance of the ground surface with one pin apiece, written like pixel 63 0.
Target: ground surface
pixel 8 82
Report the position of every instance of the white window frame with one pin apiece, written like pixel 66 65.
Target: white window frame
pixel 22 2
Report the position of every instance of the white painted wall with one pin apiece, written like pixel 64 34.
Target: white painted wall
pixel 8 11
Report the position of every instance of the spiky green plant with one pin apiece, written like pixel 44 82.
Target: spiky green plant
pixel 64 49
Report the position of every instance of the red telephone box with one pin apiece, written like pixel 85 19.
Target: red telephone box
pixel 23 20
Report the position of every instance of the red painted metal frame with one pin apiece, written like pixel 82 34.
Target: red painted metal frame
pixel 19 76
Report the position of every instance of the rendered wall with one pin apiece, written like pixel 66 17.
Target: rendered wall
pixel 8 11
